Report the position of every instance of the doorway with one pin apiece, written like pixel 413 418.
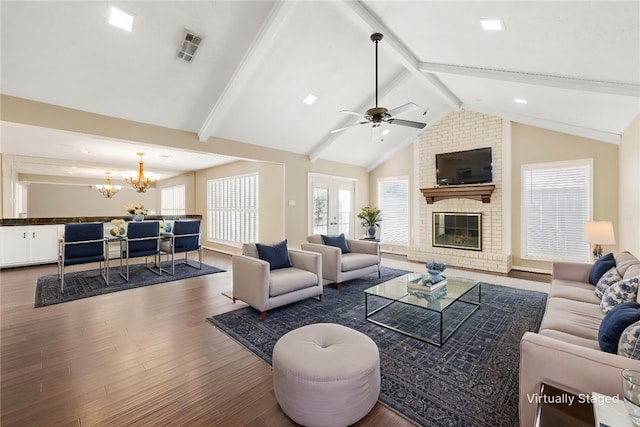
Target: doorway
pixel 331 201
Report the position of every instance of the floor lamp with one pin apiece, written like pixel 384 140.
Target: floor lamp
pixel 599 233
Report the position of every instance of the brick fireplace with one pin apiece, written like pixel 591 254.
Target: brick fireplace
pixel 463 130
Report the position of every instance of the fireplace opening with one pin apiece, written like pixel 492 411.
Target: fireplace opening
pixel 457 230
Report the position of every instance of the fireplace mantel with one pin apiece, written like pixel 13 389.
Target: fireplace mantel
pixel 481 192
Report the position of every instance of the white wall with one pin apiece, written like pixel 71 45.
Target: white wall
pixel 629 189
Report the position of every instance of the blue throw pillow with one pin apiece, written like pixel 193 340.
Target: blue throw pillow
pixel 337 241
pixel 615 322
pixel 601 266
pixel 276 255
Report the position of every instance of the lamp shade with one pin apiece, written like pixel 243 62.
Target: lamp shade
pixel 599 232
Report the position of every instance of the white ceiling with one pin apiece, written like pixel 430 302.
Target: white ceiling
pixel 577 64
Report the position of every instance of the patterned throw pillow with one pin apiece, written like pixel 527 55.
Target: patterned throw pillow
pixel 622 291
pixel 628 344
pixel 609 278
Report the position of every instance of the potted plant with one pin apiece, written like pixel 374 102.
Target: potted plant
pixel 371 218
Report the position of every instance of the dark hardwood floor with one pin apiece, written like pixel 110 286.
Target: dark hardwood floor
pixel 144 357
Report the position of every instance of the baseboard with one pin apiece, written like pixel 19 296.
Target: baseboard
pixel 387 251
pixel 220 251
pixel 530 269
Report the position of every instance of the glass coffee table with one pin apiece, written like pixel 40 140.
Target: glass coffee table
pixel 404 305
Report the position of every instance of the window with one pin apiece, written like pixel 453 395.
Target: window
pixel 172 201
pixel 232 209
pixel 556 206
pixel 20 200
pixel 393 195
pixel 320 210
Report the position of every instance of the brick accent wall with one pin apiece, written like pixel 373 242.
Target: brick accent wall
pixel 461 130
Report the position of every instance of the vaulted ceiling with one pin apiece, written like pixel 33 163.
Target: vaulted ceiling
pixel 577 64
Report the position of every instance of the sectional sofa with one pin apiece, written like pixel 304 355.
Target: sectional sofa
pixel 565 352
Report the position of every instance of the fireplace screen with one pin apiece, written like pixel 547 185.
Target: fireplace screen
pixel 457 230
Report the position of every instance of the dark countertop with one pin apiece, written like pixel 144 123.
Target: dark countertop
pixel 65 220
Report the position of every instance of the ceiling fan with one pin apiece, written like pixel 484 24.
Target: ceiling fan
pixel 378 115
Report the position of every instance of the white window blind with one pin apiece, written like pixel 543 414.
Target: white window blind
pixel 232 209
pixel 393 196
pixel 172 200
pixel 557 204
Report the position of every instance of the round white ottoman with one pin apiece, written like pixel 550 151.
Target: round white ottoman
pixel 326 375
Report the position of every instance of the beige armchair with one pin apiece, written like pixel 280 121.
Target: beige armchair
pixel 264 289
pixel 363 259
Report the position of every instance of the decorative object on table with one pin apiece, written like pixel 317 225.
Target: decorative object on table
pixel 138 211
pixel 107 189
pixel 426 284
pixel 599 233
pixel 138 181
pixel 118 230
pixel 631 393
pixel 428 294
pixel 371 218
pixel 435 270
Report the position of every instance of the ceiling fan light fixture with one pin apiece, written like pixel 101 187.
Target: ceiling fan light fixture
pixel 378 115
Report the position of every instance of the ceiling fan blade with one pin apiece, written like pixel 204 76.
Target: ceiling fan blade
pixel 409 123
pixel 353 113
pixel 347 127
pixel 410 106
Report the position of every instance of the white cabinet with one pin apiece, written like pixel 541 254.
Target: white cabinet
pixel 24 245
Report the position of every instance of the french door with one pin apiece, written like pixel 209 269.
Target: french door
pixel 331 202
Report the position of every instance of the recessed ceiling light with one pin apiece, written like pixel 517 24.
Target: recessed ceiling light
pixel 310 99
pixel 520 100
pixel 493 24
pixel 121 19
pixel 84 151
pixel 385 132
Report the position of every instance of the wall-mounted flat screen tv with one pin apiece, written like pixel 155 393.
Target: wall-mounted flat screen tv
pixel 464 167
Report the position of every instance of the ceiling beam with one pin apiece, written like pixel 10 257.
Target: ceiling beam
pixel 317 150
pixel 573 83
pixel 598 135
pixel 248 66
pixel 405 56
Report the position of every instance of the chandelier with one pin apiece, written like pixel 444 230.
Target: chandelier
pixel 108 190
pixel 140 182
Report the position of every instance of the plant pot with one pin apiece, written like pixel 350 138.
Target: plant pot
pixel 371 232
pixel 138 217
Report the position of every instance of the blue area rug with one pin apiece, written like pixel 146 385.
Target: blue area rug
pixel 471 381
pixel 89 283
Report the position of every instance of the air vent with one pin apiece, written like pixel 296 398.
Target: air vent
pixel 189 46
